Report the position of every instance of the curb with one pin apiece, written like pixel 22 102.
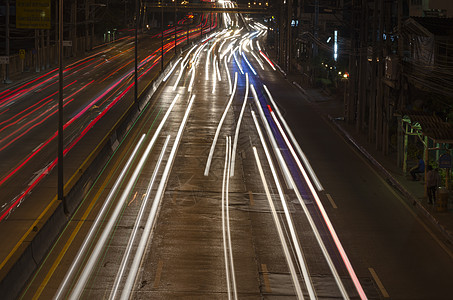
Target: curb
pixel 394 182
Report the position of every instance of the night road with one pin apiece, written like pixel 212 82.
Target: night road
pixel 231 184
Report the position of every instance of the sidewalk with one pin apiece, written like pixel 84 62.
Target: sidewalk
pixel 411 191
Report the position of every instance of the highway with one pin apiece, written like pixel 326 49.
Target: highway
pixel 231 185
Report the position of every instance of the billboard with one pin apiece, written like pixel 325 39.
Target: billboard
pixel 33 14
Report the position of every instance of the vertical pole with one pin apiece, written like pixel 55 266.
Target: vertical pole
pixel 60 109
pixel 162 49
pixel 136 55
pixel 426 159
pixel 288 36
pixel 406 141
pixel 7 42
pixel 175 26
pixel 36 54
pixel 92 28
pixel 315 28
pixel 87 12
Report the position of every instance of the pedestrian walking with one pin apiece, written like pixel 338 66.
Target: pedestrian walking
pixel 432 183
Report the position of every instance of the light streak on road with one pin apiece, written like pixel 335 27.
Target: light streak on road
pixel 192 79
pixel 133 271
pixel 227 70
pixel 88 268
pixel 329 224
pixel 258 60
pixel 248 63
pixel 238 126
pixel 226 232
pixel 268 60
pixel 216 136
pixel 258 45
pixel 219 78
pixel 295 143
pixel 171 70
pixel 207 66
pixel 102 239
pixel 134 233
pixel 294 277
pixel 237 63
pixel 295 240
pixel 275 147
pixel 98 220
pixel 227 209
pixel 214 76
pixel 302 202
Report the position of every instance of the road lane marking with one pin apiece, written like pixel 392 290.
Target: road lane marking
pixel 267 284
pixel 379 283
pixel 331 201
pixel 251 198
pixel 160 264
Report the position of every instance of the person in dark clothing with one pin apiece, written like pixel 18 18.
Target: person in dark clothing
pixel 432 183
pixel 419 168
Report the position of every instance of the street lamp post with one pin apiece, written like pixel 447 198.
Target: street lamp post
pixel 174 24
pixel 162 49
pixel 60 109
pixel 7 43
pixel 137 13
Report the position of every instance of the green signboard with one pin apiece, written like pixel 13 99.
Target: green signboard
pixel 33 14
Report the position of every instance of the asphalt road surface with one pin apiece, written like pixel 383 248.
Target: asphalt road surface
pixel 187 210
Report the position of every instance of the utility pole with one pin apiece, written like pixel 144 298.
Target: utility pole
pixel 7 43
pixel 174 25
pixel 137 12
pixel 60 110
pixel 315 29
pixel 162 49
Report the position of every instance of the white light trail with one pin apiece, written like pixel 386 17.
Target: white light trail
pixel 291 227
pixel 258 60
pixel 102 239
pixel 134 233
pixel 94 227
pixel 207 66
pixel 236 134
pixel 225 250
pixel 237 63
pixel 133 272
pixel 172 69
pixel 216 136
pixel 248 63
pixel 328 223
pixel 214 76
pixel 227 207
pixel 192 79
pixel 295 143
pixel 279 229
pixel 268 60
pixel 219 78
pixel 275 147
pixel 307 213
pixel 228 75
pixel 258 45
